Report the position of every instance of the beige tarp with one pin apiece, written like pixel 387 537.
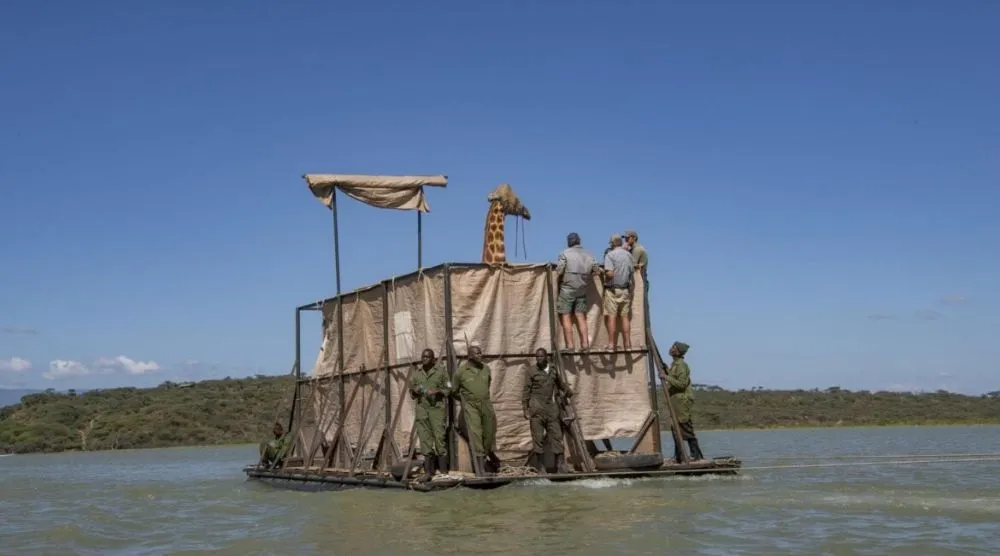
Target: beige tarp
pixel 392 192
pixel 504 311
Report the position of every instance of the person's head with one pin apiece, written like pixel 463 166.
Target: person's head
pixel 427 358
pixel 278 430
pixel 541 357
pixel 475 354
pixel 678 350
pixel 573 239
pixel 616 241
pixel 631 237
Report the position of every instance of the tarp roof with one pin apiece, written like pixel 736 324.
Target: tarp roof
pixel 391 192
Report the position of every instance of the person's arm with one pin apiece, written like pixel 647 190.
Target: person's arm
pixel 609 267
pixel 561 263
pixel 415 388
pixel 526 393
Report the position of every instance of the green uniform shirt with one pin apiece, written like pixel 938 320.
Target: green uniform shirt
pixel 540 387
pixel 435 379
pixel 679 386
pixel 641 258
pixel 472 384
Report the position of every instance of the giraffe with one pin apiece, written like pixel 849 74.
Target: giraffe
pixel 502 202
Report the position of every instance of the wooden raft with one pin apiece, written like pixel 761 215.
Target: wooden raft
pixel 333 479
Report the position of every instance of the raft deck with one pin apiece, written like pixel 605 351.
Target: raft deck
pixel 333 479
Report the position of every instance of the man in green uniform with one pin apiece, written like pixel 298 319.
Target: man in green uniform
pixel 541 383
pixel 678 380
pixel 639 254
pixel 430 387
pixel 273 453
pixel 472 387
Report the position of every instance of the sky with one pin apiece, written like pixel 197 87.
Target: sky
pixel 816 182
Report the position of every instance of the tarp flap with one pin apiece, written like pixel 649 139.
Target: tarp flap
pixel 505 310
pixel 390 192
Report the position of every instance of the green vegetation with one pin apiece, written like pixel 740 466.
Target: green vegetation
pixel 244 410
pixel 715 408
pixel 210 412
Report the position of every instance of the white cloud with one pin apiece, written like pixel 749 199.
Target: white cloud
pixel 14 365
pixel 127 364
pixel 61 368
pixel 904 388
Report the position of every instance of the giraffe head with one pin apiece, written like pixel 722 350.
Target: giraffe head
pixel 504 196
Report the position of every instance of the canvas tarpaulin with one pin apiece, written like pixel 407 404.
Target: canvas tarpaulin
pixel 390 192
pixel 503 310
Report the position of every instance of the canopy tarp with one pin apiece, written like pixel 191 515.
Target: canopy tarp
pixel 391 192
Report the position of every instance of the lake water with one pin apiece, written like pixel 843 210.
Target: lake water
pixel 190 500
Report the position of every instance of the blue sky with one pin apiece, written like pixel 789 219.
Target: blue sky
pixel 816 182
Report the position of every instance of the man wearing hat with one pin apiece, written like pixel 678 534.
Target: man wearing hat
pixel 574 269
pixel 639 254
pixel 618 272
pixel 678 379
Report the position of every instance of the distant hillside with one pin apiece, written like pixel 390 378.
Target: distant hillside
pixel 10 396
pixel 209 412
pixel 243 410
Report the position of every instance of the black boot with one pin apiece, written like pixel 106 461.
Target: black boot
pixel 561 464
pixel 430 463
pixel 536 461
pixel 442 464
pixel 493 463
pixel 695 450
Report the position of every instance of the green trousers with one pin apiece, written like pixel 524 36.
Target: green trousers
pixel 430 424
pixel 482 425
pixel 546 428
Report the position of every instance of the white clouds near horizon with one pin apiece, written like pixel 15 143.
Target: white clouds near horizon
pixel 14 365
pixel 63 368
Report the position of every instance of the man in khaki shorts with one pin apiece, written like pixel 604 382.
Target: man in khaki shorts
pixel 618 272
pixel 575 269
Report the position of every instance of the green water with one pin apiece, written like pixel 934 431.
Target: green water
pixel 190 500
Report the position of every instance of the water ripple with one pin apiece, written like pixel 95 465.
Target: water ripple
pixel 196 500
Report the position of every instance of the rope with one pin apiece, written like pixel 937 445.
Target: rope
pixel 891 456
pixel 517 471
pixel 860 463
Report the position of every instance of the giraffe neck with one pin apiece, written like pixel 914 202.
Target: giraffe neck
pixel 494 250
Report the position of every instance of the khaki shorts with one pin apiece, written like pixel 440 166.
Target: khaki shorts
pixel 567 303
pixel 617 302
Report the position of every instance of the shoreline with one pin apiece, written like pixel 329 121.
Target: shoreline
pixel 664 432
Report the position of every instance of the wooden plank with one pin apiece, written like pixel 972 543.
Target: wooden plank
pixel 338 445
pixel 390 433
pixel 643 440
pixel 576 432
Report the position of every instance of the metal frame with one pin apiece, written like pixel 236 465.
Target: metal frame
pixel 387 443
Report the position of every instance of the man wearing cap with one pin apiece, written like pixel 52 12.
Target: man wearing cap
pixel 639 254
pixel 574 269
pixel 618 272
pixel 678 379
